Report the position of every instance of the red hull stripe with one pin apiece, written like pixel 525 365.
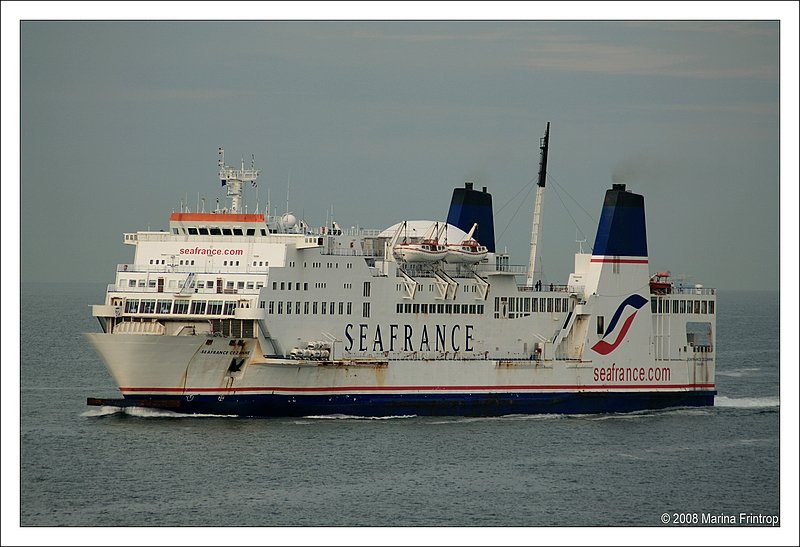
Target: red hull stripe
pixel 357 389
pixel 619 260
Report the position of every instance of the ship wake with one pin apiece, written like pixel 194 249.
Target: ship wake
pixel 141 412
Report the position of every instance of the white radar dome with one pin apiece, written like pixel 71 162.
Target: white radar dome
pixel 289 220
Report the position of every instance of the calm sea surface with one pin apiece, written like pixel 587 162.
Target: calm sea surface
pixel 86 466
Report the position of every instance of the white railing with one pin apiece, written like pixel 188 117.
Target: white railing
pixel 170 290
pixel 246 269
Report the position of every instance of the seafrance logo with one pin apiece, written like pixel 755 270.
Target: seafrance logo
pixel 635 301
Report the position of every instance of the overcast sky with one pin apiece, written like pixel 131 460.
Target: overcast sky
pixel 379 121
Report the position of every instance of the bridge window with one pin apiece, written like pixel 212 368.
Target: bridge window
pixel 180 306
pixel 192 231
pixel 203 231
pixel 230 307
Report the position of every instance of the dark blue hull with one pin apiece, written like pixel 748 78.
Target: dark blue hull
pixel 438 404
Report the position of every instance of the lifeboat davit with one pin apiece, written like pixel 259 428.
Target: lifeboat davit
pixel 427 250
pixel 466 252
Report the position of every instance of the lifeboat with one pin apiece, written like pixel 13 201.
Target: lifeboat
pixel 660 283
pixel 466 252
pixel 427 250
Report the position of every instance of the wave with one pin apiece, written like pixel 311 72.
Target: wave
pixel 350 417
pixel 143 412
pixel 504 418
pixel 747 402
pixel 737 372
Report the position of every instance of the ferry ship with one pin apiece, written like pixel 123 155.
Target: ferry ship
pixel 260 314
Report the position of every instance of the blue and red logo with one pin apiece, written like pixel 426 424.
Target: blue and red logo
pixel 635 301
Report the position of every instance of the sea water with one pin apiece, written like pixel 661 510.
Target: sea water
pixel 107 467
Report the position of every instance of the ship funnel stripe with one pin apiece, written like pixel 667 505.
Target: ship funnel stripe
pixel 636 301
pixel 621 231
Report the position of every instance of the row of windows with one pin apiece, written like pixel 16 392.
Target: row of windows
pixel 195 307
pixel 191 262
pixel 465 288
pixel 297 286
pixel 176 283
pixel 441 308
pixel 660 305
pixel 330 265
pixel 288 286
pixel 307 308
pixel 522 306
pixel 216 231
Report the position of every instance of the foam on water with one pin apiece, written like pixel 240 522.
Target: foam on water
pixel 737 372
pixel 141 412
pixel 349 417
pixel 747 402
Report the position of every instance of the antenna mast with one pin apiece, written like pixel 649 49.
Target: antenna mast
pixel 544 142
pixel 234 179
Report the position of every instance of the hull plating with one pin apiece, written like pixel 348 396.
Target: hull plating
pixel 373 405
